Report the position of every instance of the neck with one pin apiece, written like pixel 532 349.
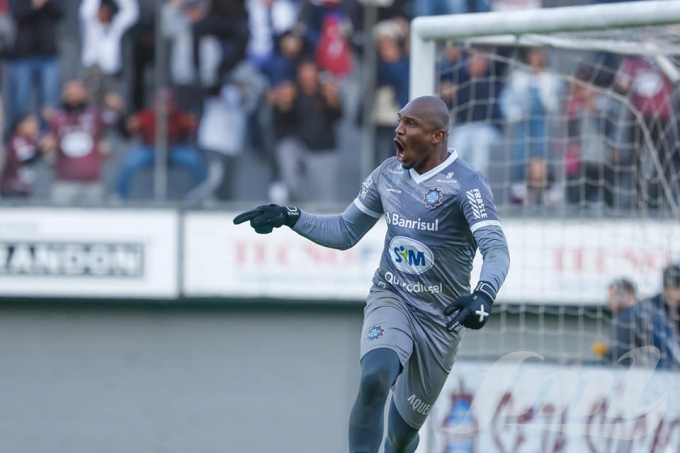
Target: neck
pixel 437 158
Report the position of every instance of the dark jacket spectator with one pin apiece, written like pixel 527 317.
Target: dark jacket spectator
pixel 36 33
pixel 304 117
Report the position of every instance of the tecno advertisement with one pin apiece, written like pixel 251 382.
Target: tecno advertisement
pixel 551 262
pixel 519 404
pixel 89 253
pixel 221 259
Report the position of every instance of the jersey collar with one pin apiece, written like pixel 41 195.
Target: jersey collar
pixel 419 179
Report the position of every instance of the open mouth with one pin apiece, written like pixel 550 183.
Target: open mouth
pixel 400 149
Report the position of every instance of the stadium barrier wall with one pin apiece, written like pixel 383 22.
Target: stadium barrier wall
pixel 171 254
pixel 517 406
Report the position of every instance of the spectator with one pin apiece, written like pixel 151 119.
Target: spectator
pixel 23 151
pixel 226 20
pixel 650 92
pixel 143 37
pixel 669 298
pixel 531 95
pixel 645 323
pixel 304 118
pixel 78 149
pixel 476 111
pixel 292 48
pixel 222 131
pixel 314 13
pixel 392 82
pixel 34 54
pixel 104 22
pixel 181 131
pixel 268 19
pixel 177 19
pixel 8 28
pixel 593 158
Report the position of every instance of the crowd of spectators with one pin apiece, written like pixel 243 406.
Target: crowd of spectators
pixel 273 78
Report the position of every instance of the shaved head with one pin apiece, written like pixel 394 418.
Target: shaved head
pixel 433 111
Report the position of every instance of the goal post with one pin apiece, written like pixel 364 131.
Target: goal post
pixel 509 26
pixel 567 257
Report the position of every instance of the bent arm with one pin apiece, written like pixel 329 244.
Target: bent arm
pixel 496 257
pixel 335 231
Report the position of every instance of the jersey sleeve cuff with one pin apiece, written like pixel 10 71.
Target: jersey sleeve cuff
pixel 485 223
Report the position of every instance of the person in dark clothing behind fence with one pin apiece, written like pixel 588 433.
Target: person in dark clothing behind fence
pixel 35 54
pixel 226 20
pixel 305 116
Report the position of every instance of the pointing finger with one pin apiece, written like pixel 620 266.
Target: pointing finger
pixel 245 216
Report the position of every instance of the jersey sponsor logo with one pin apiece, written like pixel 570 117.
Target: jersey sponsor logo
pixel 389 189
pixel 474 197
pixel 411 256
pixel 395 219
pixel 419 406
pixel 365 186
pixel 375 332
pixel 433 197
pixel 411 287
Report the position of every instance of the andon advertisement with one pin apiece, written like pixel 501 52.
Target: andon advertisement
pixel 89 253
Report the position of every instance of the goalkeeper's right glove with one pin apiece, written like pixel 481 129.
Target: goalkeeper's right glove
pixel 265 218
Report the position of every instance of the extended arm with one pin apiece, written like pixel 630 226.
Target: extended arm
pixel 335 231
pixel 496 258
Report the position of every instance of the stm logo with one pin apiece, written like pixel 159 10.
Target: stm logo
pixel 411 256
pixel 474 197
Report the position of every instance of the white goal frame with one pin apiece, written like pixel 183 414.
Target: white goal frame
pixel 522 28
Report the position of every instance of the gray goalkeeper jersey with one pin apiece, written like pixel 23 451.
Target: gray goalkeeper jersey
pixel 431 218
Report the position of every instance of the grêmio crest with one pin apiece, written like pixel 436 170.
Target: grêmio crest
pixel 433 198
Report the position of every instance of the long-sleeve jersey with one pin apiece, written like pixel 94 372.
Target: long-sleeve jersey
pixel 435 223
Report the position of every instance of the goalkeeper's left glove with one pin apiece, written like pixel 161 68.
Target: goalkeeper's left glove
pixel 265 218
pixel 472 310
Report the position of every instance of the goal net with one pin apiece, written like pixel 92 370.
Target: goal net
pixel 572 114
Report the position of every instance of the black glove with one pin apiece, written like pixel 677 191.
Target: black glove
pixel 265 218
pixel 473 310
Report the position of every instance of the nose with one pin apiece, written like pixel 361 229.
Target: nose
pixel 399 129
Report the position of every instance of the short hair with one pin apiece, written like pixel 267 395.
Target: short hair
pixel 624 284
pixel 671 276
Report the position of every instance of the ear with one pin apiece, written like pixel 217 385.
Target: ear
pixel 438 136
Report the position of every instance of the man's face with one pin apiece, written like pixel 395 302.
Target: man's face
pixel 308 76
pixel 415 136
pixel 75 92
pixel 672 296
pixel 619 298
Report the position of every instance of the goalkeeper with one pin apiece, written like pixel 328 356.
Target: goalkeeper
pixel 438 209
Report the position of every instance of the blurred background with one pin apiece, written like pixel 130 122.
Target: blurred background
pixel 135 317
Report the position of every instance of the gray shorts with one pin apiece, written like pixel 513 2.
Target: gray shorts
pixel 425 348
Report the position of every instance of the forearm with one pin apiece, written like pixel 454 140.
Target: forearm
pixel 496 257
pixel 335 231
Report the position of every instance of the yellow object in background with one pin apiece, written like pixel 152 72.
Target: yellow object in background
pixel 599 348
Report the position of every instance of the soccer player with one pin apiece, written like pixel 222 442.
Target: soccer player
pixel 438 209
